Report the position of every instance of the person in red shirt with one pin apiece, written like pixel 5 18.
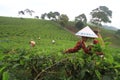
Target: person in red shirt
pixel 80 44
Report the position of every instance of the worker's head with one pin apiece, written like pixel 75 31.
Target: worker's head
pixel 32 43
pixel 95 31
pixel 84 38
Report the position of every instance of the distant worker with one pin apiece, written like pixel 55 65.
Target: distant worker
pixel 32 43
pixel 53 41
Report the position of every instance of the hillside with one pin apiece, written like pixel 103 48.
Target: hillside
pixel 46 61
pixel 17 32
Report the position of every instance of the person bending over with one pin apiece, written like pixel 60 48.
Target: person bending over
pixel 79 45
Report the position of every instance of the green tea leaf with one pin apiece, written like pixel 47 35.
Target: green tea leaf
pixel 5 75
pixel 98 74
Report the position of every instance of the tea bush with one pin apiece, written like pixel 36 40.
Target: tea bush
pixel 34 65
pixel 46 61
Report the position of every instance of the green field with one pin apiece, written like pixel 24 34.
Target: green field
pixel 46 61
pixel 16 33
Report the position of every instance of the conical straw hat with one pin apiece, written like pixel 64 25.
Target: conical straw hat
pixel 86 32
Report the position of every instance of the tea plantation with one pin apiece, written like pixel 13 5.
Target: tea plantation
pixel 47 61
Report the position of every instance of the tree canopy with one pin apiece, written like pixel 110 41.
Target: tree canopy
pixel 100 15
pixel 51 15
pixel 63 19
pixel 80 21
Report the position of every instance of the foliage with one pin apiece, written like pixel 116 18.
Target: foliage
pixel 35 64
pixel 46 61
pixel 79 25
pixel 43 15
pixel 80 21
pixel 30 12
pixel 63 19
pixel 51 15
pixel 101 14
pixel 82 18
pixel 23 12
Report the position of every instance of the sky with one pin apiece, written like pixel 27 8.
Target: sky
pixel 71 8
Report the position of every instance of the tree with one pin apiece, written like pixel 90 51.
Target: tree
pixel 79 25
pixel 63 19
pixel 37 17
pixel 80 21
pixel 57 14
pixel 53 15
pixel 21 13
pixel 30 12
pixel 49 15
pixel 82 18
pixel 43 16
pixel 101 15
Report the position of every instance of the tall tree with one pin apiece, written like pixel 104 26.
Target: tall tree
pixel 63 19
pixel 80 21
pixel 57 14
pixel 43 16
pixel 82 18
pixel 101 15
pixel 30 12
pixel 49 15
pixel 21 13
pixel 53 15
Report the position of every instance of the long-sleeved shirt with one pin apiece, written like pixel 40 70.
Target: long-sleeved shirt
pixel 77 47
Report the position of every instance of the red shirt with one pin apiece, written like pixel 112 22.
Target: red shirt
pixel 77 47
